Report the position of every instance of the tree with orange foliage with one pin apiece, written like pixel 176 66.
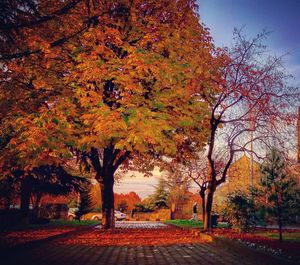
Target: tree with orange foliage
pixel 112 82
pixel 130 198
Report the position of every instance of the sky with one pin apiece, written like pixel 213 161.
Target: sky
pixel 280 17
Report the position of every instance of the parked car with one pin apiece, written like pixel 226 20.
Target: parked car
pixel 71 214
pixel 118 216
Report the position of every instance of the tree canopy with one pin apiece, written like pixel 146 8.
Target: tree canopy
pixel 109 82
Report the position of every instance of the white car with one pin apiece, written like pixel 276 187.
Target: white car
pixel 118 216
pixel 71 214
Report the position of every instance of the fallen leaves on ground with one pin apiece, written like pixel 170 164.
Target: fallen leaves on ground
pixel 131 237
pixel 12 238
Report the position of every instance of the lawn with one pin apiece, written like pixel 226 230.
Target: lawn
pixel 60 222
pixel 190 223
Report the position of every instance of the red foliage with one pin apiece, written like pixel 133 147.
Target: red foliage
pixel 132 237
pixel 130 198
pixel 13 238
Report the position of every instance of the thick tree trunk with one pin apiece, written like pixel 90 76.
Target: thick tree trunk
pixel 25 201
pixel 209 202
pixel 107 196
pixel 112 159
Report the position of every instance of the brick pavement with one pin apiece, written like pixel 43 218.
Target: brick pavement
pixel 49 253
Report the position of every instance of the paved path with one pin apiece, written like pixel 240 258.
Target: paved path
pixel 57 252
pixel 206 254
pixel 137 225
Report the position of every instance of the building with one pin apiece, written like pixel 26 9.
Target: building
pixel 239 179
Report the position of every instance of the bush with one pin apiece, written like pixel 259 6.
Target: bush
pixel 240 211
pixel 144 208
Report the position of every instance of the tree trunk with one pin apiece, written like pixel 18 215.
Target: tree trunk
pixel 209 202
pixel 279 221
pixel 107 196
pixel 280 230
pixel 202 195
pixel 25 201
pixel 36 208
pixel 112 159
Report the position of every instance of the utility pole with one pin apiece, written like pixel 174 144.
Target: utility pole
pixel 298 132
pixel 251 147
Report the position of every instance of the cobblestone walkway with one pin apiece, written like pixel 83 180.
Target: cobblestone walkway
pixel 137 225
pixel 206 254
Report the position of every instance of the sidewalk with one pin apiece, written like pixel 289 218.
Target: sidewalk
pixel 162 255
pixel 83 251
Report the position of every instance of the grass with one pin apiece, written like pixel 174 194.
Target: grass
pixel 185 223
pixel 287 236
pixel 61 222
pixel 190 223
pixel 53 223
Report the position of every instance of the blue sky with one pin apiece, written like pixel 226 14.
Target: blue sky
pixel 281 17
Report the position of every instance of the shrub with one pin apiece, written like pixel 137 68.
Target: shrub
pixel 240 211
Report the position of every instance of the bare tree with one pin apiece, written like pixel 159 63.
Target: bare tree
pixel 253 100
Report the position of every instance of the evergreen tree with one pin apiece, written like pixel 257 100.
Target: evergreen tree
pixel 280 189
pixel 161 194
pixel 85 204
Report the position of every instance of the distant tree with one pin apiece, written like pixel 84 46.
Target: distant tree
pixel 160 196
pixel 130 198
pixel 85 202
pixel 53 180
pixel 9 191
pixel 178 189
pixel 34 183
pixel 280 192
pixel 122 206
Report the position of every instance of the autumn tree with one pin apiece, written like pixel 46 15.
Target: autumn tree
pixel 126 83
pixel 130 198
pixel 178 186
pixel 253 103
